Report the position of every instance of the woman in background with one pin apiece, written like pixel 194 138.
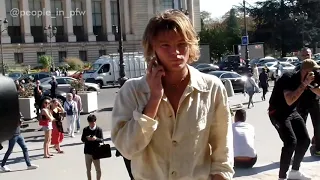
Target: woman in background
pixel 263 80
pixel 46 123
pixel 251 87
pixel 57 131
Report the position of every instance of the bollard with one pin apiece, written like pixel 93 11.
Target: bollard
pixel 229 87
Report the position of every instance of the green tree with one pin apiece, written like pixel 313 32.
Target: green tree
pixel 233 30
pixel 45 61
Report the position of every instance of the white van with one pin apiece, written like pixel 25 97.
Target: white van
pixel 105 70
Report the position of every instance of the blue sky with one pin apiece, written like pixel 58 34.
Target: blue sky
pixel 218 9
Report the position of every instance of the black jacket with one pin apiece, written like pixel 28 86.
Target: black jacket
pixel 90 146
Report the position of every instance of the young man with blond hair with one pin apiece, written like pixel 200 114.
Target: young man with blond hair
pixel 174 122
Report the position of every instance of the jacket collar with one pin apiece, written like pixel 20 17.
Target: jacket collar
pixel 196 82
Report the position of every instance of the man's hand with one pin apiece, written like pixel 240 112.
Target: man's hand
pixel 89 138
pixel 94 138
pixel 217 177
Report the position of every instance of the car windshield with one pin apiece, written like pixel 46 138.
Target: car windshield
pixel 216 73
pixel 14 75
pixel 93 68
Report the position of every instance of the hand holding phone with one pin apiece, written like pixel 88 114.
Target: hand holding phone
pixel 155 72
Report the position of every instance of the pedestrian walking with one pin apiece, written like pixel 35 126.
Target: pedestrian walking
pixel 264 84
pixel 77 99
pixel 17 138
pixel 251 87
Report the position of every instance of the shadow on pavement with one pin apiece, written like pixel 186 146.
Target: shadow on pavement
pixel 105 109
pixel 15 152
pixel 21 159
pixel 256 170
pixel 311 159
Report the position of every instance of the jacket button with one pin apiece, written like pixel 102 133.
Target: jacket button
pixel 174 143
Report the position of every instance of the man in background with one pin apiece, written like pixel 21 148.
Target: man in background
pixel 309 104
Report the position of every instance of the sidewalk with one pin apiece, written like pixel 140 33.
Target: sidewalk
pixel 71 165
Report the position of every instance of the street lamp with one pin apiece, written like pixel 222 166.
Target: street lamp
pixel 5 24
pixel 246 33
pixel 118 30
pixel 51 32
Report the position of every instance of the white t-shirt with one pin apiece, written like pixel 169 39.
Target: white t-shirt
pixel 243 140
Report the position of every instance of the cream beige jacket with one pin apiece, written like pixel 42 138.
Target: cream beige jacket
pixel 193 145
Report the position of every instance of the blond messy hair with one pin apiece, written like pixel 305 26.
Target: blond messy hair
pixel 171 20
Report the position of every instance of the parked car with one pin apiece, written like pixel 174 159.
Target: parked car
pixel 289 59
pixel 267 59
pixel 64 84
pixel 15 75
pixel 60 94
pixel 205 65
pixel 236 79
pixel 207 69
pixel 272 66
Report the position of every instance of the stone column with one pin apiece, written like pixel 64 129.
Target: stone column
pixel 4 37
pixel 25 23
pixel 68 21
pixel 88 26
pixel 47 20
pixel 127 22
pixel 106 20
pixel 155 8
pixel 184 4
pixel 191 11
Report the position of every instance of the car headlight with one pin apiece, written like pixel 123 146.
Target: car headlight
pixel 244 78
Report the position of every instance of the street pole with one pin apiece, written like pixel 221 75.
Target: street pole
pixel 246 33
pixel 52 62
pixel 2 63
pixel 5 23
pixel 51 32
pixel 122 79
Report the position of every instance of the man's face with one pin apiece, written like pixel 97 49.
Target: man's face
pixel 306 54
pixel 92 124
pixel 172 50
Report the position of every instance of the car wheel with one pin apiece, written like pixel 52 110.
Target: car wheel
pixel 100 83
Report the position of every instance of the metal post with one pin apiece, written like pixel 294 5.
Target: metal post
pixel 246 32
pixel 52 62
pixel 2 63
pixel 122 74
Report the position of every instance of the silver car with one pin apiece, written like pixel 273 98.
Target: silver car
pixel 64 84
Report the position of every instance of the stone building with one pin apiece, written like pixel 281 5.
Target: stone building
pixel 85 28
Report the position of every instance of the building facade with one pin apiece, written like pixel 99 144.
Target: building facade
pixel 85 28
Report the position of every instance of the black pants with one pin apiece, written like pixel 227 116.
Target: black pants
pixel 295 137
pixel 245 164
pixel 127 163
pixel 314 110
pixel 264 92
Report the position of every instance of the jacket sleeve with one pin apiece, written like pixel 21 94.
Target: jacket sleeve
pixel 221 136
pixel 131 130
pixel 84 136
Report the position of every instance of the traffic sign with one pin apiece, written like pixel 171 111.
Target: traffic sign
pixel 245 40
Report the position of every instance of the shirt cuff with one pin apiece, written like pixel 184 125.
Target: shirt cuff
pixel 147 124
pixel 225 175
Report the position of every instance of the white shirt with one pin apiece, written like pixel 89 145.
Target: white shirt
pixel 243 140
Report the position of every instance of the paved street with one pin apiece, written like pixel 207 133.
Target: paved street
pixel 71 164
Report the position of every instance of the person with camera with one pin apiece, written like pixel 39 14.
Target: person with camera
pixel 37 93
pixel 309 104
pixel 286 119
pixel 17 138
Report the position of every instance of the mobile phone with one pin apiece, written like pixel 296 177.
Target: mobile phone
pixel 91 136
pixel 157 62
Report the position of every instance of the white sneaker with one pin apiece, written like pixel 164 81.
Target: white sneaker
pixel 5 169
pixel 33 166
pixel 298 175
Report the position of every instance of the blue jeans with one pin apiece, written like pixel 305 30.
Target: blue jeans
pixel 78 122
pixel 20 140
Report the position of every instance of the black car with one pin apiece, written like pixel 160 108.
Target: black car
pixel 236 79
pixel 61 96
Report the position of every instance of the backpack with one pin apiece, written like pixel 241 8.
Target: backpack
pixel 70 109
